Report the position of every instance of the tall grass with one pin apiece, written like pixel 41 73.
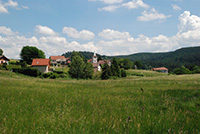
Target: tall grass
pixel 169 104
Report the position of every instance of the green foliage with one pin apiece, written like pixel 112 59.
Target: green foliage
pixel 196 70
pixel 123 73
pixel 28 53
pixel 106 72
pixel 80 69
pixel 28 71
pixel 115 70
pixel 182 70
pixel 138 64
pixel 88 71
pixel 125 63
pixel 1 52
pixel 10 67
pixel 77 67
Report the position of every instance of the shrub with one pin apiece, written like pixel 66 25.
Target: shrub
pixel 123 73
pixel 10 67
pixel 182 70
pixel 28 71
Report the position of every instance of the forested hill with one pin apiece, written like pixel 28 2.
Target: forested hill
pixel 185 56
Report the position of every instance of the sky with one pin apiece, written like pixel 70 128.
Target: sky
pixel 107 27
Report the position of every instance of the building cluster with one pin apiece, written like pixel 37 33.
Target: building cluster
pixel 43 65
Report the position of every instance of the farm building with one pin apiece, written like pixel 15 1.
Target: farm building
pixel 4 59
pixel 59 60
pixel 43 65
pixel 160 69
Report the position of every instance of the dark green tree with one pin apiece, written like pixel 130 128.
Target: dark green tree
pixel 126 64
pixel 115 70
pixel 182 70
pixel 123 73
pixel 138 64
pixel 77 67
pixel 28 53
pixel 88 71
pixel 74 53
pixel 1 51
pixel 106 72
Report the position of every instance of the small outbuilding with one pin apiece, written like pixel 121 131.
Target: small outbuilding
pixel 160 69
pixel 43 65
pixel 4 59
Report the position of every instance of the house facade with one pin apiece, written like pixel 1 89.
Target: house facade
pixel 98 64
pixel 161 69
pixel 59 60
pixel 4 59
pixel 43 65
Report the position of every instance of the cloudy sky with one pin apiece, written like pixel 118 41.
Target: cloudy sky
pixel 109 27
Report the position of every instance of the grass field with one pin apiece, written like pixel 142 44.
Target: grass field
pixel 169 104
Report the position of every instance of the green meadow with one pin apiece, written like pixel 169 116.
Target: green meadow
pixel 169 104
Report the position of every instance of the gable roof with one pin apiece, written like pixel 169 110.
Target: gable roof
pixel 41 62
pixel 57 57
pixel 160 68
pixel 4 57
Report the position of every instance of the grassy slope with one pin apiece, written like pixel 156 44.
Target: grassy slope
pixel 168 104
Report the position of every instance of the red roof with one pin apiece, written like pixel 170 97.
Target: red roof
pixel 160 68
pixel 103 61
pixel 90 60
pixel 57 57
pixel 41 62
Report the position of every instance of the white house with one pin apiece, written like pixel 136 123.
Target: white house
pixel 43 65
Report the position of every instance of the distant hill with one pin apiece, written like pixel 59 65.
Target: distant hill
pixel 185 56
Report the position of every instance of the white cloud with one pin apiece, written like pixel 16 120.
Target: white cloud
pixel 84 34
pixel 6 31
pixel 11 3
pixel 44 30
pixel 175 7
pixel 110 8
pixel 109 1
pixel 188 22
pixel 4 6
pixel 135 4
pixel 152 15
pixel 112 34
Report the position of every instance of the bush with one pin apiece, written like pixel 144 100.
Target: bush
pixel 123 73
pixel 182 70
pixel 10 67
pixel 28 71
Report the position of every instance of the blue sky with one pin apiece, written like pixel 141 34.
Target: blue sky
pixel 110 27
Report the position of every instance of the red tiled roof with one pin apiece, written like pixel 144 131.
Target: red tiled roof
pixel 160 68
pixel 90 60
pixel 103 61
pixel 41 62
pixel 57 57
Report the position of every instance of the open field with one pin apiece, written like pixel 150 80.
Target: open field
pixel 169 104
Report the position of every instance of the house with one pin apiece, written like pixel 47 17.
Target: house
pixel 160 69
pixel 98 64
pixel 4 59
pixel 43 65
pixel 59 60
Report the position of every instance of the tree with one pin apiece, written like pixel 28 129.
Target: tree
pixel 1 51
pixel 74 53
pixel 138 64
pixel 106 72
pixel 77 67
pixel 123 73
pixel 182 70
pixel 28 53
pixel 115 68
pixel 125 63
pixel 88 71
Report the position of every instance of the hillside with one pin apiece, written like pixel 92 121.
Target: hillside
pixel 185 56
